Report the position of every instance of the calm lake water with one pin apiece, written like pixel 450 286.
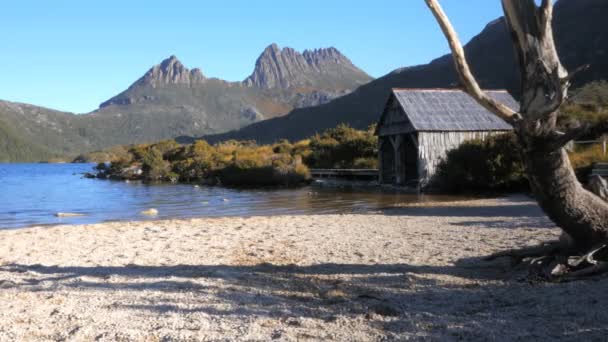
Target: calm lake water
pixel 31 194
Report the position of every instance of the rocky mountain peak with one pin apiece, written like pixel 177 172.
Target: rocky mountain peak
pixel 171 71
pixel 325 55
pixel 288 68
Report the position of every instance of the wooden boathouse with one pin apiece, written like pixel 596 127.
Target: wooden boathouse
pixel 419 126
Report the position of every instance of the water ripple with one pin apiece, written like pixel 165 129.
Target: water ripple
pixel 33 193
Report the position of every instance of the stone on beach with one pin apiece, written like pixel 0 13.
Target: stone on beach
pixel 150 212
pixel 69 215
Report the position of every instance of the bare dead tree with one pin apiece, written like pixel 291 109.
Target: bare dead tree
pixel 581 215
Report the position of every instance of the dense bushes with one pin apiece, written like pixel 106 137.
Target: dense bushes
pixel 583 158
pixel 241 163
pixel 243 175
pixel 489 165
pixel 343 147
pixel 588 104
pixel 107 155
pixel 231 163
pixel 495 165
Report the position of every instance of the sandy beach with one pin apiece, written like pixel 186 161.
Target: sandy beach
pixel 397 274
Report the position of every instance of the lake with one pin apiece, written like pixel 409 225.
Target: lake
pixel 32 194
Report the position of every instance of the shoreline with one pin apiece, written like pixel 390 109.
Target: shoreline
pixel 410 272
pixel 463 200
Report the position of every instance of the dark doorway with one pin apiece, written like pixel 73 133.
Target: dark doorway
pixel 388 161
pixel 410 159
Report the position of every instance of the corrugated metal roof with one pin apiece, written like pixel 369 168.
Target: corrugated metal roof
pixel 451 110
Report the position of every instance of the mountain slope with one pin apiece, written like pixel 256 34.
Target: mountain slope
pixel 581 34
pixel 32 133
pixel 170 100
pixel 16 149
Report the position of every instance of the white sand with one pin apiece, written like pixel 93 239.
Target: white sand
pixel 403 273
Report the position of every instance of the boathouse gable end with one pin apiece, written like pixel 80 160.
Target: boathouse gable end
pixel 419 126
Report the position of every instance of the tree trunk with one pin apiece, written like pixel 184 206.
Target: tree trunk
pixel 582 215
pixel 545 82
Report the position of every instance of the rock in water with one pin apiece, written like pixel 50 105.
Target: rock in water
pixel 599 186
pixel 69 215
pixel 150 212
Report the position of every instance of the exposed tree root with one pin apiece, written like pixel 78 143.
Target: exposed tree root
pixel 518 255
pixel 585 273
pixel 557 261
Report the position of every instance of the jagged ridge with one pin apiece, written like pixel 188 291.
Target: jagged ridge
pixel 581 36
pixel 169 72
pixel 287 68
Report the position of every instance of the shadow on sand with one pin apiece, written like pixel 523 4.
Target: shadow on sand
pixel 466 300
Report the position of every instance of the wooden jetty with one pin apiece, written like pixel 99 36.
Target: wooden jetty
pixel 600 169
pixel 347 174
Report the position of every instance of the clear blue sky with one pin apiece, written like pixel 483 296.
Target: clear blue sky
pixel 73 54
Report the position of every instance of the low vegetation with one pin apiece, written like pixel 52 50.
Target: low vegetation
pixel 14 148
pixel 239 163
pixel 494 165
pixel 483 165
pixel 230 163
pixel 344 147
pixel 109 154
pixel 490 165
pixel 588 104
pixel 584 156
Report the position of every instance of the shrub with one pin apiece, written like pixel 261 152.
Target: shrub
pixel 342 147
pixel 282 147
pixel 302 149
pixel 101 167
pixel 108 155
pixel 166 146
pixel 154 167
pixel 365 163
pixel 583 158
pixel 588 104
pixel 489 165
pixel 117 166
pixel 248 175
pixel 246 163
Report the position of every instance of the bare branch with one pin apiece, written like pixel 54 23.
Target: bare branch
pixel 542 74
pixel 575 72
pixel 546 5
pixel 546 8
pixel 595 130
pixel 464 72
